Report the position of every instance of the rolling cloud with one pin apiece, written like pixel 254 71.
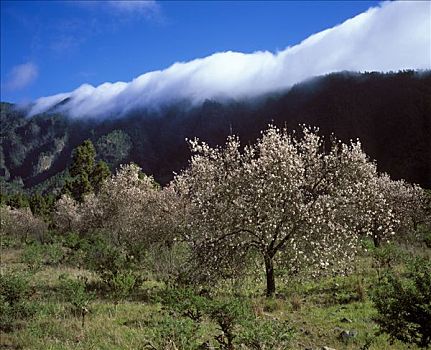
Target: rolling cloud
pixel 390 37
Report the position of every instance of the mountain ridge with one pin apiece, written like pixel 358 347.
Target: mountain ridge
pixel 389 112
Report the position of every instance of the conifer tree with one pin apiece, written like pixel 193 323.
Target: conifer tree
pixel 99 174
pixel 87 177
pixel 83 159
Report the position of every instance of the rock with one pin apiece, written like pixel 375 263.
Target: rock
pixel 346 320
pixel 353 333
pixel 326 348
pixel 346 335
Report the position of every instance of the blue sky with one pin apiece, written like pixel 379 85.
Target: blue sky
pixel 51 47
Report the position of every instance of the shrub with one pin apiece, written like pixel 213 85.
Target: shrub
pixel 54 254
pixel 106 259
pixel 35 255
pixel 75 248
pixel 75 292
pixel 73 241
pixel 227 314
pixel 404 304
pixel 262 334
pixel 234 318
pixel 239 326
pixel 14 304
pixel 122 284
pixel 168 263
pixel 7 241
pixel 186 302
pixel 170 332
pixel 386 256
pixel 424 232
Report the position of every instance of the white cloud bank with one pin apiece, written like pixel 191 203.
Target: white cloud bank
pixel 390 37
pixel 21 76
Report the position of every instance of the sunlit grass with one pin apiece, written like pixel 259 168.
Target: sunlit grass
pixel 319 310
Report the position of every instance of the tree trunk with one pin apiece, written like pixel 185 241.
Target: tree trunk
pixel 376 240
pixel 270 279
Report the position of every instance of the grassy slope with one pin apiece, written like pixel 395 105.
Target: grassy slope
pixel 317 310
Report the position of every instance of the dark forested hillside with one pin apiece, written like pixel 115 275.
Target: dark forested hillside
pixel 389 113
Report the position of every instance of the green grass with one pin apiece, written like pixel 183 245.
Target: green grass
pixel 317 310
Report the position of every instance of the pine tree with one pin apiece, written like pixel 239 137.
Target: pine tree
pixel 81 168
pixel 17 200
pixel 83 159
pixel 87 177
pixel 81 187
pixel 38 205
pixel 99 174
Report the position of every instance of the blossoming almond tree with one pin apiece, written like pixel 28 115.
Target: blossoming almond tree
pixel 408 201
pixel 130 208
pixel 284 198
pixel 67 214
pixel 21 223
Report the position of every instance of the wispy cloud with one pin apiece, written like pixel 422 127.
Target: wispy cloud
pixel 390 37
pixel 147 9
pixel 69 34
pixel 66 43
pixel 125 9
pixel 72 33
pixel 21 76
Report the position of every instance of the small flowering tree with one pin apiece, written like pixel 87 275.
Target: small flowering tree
pixel 21 223
pixel 130 207
pixel 408 202
pixel 377 211
pixel 393 203
pixel 284 198
pixel 67 214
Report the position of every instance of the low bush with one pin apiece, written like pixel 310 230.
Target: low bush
pixel 106 259
pixel 167 263
pixel 266 334
pixel 228 314
pixel 170 332
pixel 236 323
pixel 15 306
pixel 122 284
pixel 386 256
pixel 35 255
pixel 424 232
pixel 404 304
pixel 76 293
pixel 186 302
